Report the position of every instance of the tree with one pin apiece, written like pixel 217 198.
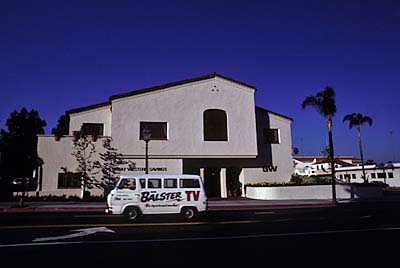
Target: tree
pixel 62 127
pixel 83 150
pixel 324 103
pixel 109 166
pixel 18 147
pixel 356 120
pixel 326 152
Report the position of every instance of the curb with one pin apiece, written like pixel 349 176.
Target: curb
pixel 283 206
pixel 211 208
pixel 59 209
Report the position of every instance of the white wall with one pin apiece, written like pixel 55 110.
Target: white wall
pixel 182 107
pixel 100 115
pixel 57 154
pixel 275 162
pixel 313 192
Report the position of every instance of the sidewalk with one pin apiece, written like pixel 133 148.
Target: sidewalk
pixel 220 204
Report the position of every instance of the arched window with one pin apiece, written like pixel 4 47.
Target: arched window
pixel 215 125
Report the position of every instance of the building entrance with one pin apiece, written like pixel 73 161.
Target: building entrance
pixel 233 185
pixel 212 181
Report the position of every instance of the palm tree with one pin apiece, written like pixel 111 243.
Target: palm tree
pixel 324 103
pixel 357 119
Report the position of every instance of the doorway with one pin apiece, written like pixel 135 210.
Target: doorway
pixel 212 181
pixel 233 185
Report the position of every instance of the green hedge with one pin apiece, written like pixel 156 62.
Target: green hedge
pixel 288 183
pixel 60 198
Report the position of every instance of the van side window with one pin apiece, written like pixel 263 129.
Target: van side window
pixel 154 183
pixel 128 184
pixel 170 183
pixel 189 183
pixel 142 183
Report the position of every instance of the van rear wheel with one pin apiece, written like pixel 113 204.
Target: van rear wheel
pixel 131 213
pixel 189 213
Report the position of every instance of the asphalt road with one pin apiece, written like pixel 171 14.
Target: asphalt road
pixel 352 234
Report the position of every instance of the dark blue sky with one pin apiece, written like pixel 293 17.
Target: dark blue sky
pixel 58 55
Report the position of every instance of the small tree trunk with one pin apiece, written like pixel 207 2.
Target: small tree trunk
pixel 329 121
pixel 361 154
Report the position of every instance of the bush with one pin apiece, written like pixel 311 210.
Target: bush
pixel 60 198
pixel 295 180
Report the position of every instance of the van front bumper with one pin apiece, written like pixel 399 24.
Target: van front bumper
pixel 108 210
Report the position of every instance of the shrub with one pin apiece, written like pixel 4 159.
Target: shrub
pixel 60 198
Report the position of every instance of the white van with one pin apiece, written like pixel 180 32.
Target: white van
pixel 157 194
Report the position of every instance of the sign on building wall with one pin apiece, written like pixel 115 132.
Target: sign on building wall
pixel 270 168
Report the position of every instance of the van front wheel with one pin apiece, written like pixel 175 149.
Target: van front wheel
pixel 131 213
pixel 189 213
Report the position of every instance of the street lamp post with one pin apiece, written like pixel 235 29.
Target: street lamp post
pixel 146 138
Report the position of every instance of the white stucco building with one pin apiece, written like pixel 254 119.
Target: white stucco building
pixel 348 169
pixel 207 125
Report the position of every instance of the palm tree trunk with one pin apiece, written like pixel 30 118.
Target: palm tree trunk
pixel 331 152
pixel 361 154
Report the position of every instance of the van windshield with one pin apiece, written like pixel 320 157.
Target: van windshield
pixel 127 184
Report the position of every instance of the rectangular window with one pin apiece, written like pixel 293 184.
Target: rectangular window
pixel 271 136
pixel 93 129
pixel 142 183
pixel 127 184
pixel 154 183
pixel 170 183
pixel 69 180
pixel 390 175
pixel 373 175
pixel 382 175
pixel 189 183
pixel 158 130
pixel 353 176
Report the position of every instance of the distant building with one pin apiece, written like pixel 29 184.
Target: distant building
pixel 320 165
pixel 206 125
pixel 348 169
pixel 387 173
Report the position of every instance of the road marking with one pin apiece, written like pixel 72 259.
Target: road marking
pixel 93 216
pixel 81 232
pixel 283 220
pixel 124 224
pixel 366 217
pixel 264 212
pixel 141 241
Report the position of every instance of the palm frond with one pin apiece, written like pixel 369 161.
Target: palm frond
pixel 366 119
pixel 357 119
pixel 309 101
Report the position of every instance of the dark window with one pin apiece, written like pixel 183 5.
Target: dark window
pixel 154 183
pixel 215 125
pixel 189 183
pixel 69 180
pixel 353 176
pixel 271 135
pixel 373 175
pixel 92 129
pixel 158 130
pixel 170 183
pixel 127 184
pixel 390 175
pixel 382 175
pixel 142 183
